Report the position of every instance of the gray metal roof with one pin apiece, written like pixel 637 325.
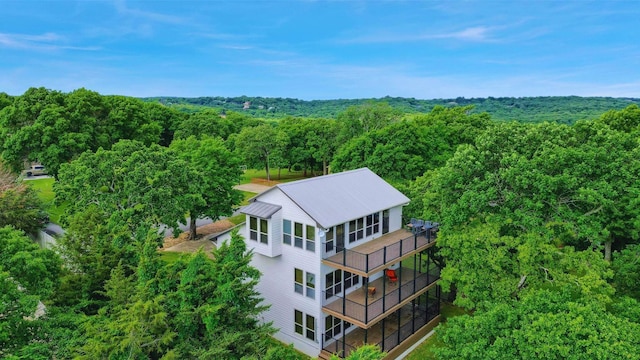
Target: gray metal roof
pixel 337 198
pixel 260 209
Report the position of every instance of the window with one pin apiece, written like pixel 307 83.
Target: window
pixel 334 281
pixel 309 282
pixel 253 228
pixel 258 227
pixel 356 230
pixel 298 322
pixel 298 235
pixel 286 232
pixel 373 224
pixel 311 285
pixel 311 238
pixel 304 322
pixel 333 327
pixel 264 231
pixel 311 328
pixel 385 221
pixel 298 281
pixel 328 245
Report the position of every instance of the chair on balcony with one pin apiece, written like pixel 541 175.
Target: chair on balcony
pixel 419 226
pixel 391 276
pixel 372 291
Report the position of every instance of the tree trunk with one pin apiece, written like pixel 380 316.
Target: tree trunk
pixel 324 166
pixel 192 228
pixel 453 292
pixel 607 249
pixel 279 172
pixel 266 166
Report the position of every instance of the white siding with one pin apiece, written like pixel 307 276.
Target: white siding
pixel 395 219
pixel 277 281
pixel 273 247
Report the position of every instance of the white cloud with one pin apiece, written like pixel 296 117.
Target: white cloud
pixel 43 42
pixel 123 9
pixel 469 34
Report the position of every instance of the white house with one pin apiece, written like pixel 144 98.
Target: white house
pixel 323 246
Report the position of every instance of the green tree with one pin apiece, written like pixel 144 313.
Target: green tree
pixel 488 267
pixel 132 184
pixel 205 123
pixel 21 207
pixel 168 118
pixel 257 144
pixel 545 324
pixel 358 120
pixel 321 141
pixel 626 268
pixel 28 274
pixel 218 171
pixel 364 352
pixel 577 181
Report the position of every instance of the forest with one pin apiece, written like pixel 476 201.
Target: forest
pixel 539 235
pixel 560 109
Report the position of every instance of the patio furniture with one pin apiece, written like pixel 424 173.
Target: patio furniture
pixel 391 276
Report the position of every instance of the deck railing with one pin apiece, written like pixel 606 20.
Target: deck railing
pixel 369 261
pixel 365 313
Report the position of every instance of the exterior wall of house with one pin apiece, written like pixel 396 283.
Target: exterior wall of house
pixel 277 284
pixel 277 262
pixel 274 246
pixel 395 219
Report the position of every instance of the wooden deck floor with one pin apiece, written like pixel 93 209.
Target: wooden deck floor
pixel 362 308
pixel 371 256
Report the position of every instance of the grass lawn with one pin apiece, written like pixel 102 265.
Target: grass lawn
pixel 240 218
pixel 285 175
pixel 247 195
pixel 44 188
pixel 425 350
pixel 170 256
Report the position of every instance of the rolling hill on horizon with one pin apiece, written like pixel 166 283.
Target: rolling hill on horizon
pixel 561 109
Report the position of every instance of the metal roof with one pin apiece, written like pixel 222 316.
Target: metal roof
pixel 337 198
pixel 260 209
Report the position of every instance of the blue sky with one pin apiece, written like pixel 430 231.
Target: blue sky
pixel 322 49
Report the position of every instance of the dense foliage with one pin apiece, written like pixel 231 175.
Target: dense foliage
pixel 561 109
pixel 539 235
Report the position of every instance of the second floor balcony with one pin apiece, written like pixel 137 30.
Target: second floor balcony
pixel 377 254
pixel 364 307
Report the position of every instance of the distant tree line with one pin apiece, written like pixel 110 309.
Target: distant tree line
pixel 561 109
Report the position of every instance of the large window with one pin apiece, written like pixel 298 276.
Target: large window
pixel 258 229
pixel 311 238
pixel 329 245
pixel 302 282
pixel 311 328
pixel 264 231
pixel 311 285
pixel 373 224
pixel 356 230
pixel 334 281
pixel 253 228
pixel 286 232
pixel 334 326
pixel 298 235
pixel 299 285
pixel 305 325
pixel 299 322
